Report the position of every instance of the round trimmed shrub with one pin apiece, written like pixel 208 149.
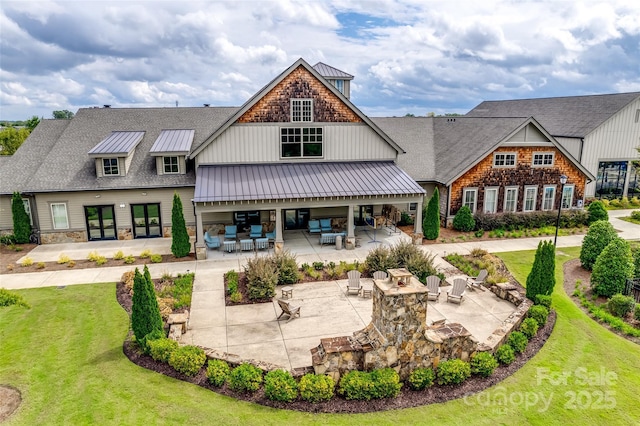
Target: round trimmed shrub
pixel 356 385
pixel 154 335
pixel 599 235
pixel 421 378
pixel 518 341
pixel 612 269
pixel 544 300
pixel 463 220
pixel 245 378
pixel 620 305
pixel 187 360
pixel 217 372
pixel 386 383
pixel 161 349
pixel 505 355
pixel 279 385
pixel 316 388
pixel 539 313
pixel 597 211
pixel 483 364
pixel 529 327
pixel 453 372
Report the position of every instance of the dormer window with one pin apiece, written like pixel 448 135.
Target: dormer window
pixel 170 149
pixel 302 110
pixel 171 166
pixel 110 167
pixel 114 153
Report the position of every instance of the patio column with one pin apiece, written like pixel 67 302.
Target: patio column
pixel 350 242
pixel 200 248
pixel 417 224
pixel 279 243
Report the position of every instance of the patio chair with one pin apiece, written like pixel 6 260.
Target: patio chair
pixel 380 275
pixel 256 231
pixel 456 293
pixel 271 235
pixel 325 225
pixel 211 242
pixel 478 281
pixel 314 226
pixel 433 287
pixel 289 309
pixel 230 232
pixel 354 282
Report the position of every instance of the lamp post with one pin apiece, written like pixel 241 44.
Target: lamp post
pixel 563 181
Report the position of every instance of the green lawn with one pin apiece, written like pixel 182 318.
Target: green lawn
pixel 65 355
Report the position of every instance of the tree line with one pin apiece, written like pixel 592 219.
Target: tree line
pixel 14 133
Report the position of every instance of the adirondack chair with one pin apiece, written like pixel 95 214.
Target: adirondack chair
pixel 354 282
pixel 456 293
pixel 211 242
pixel 325 225
pixel 289 309
pixel 380 275
pixel 314 226
pixel 433 286
pixel 256 231
pixel 478 281
pixel 230 232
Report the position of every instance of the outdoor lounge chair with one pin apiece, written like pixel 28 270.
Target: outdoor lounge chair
pixel 478 281
pixel 380 275
pixel 325 225
pixel 314 226
pixel 256 231
pixel 289 309
pixel 271 235
pixel 230 232
pixel 433 286
pixel 456 293
pixel 354 282
pixel 211 242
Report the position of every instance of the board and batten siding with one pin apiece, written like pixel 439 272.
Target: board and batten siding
pixel 260 143
pixel 615 140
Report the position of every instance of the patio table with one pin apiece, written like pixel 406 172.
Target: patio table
pixel 230 246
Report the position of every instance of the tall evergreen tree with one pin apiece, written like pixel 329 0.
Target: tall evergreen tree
pixel 145 313
pixel 180 244
pixel 533 279
pixel 21 222
pixel 542 279
pixel 431 221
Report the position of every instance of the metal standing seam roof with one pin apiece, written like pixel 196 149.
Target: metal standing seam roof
pixel 301 180
pixel 117 143
pixel 328 71
pixel 174 141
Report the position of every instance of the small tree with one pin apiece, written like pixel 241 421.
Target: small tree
pixel 145 314
pixel 463 220
pixel 541 279
pixel 612 269
pixel 599 235
pixel 431 221
pixel 21 225
pixel 597 211
pixel 180 244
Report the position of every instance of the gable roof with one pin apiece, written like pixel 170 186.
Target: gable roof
pixel 197 148
pixel 327 71
pixel 569 116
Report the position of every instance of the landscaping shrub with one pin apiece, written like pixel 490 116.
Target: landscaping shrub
pixel 154 335
pixel 529 327
pixel 421 378
pixel 8 239
pixel 599 235
pixel 620 305
pixel 21 221
pixel 518 341
pixel 431 221
pixel 544 300
pixel 156 258
pixel 505 355
pixel 635 253
pixel 236 297
pixel 463 220
pixel 286 267
pixel 612 269
pixel 180 244
pixel 636 313
pixel 9 298
pixel 262 278
pixel 245 378
pixel 145 254
pixel 316 388
pixel 597 212
pixel 530 220
pixel 318 266
pixel 356 385
pixel 27 261
pixel 279 385
pixel 161 349
pixel 420 264
pixel 405 219
pixel 386 383
pixel 187 360
pixel 119 255
pixel 538 313
pixel 217 372
pixel 182 290
pixel 541 279
pixel 380 259
pixel 483 364
pixel 145 314
pixel 452 372
pixel 129 259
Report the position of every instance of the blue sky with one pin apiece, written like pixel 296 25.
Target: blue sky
pixel 407 56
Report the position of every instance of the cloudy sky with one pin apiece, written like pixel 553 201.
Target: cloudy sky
pixel 408 56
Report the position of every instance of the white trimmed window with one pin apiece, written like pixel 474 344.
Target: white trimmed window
pixel 302 110
pixel 510 199
pixel 171 166
pixel 469 198
pixel 530 194
pixel 110 167
pixel 27 209
pixel 490 200
pixel 504 159
pixel 548 197
pixel 59 216
pixel 543 159
pixel 567 197
pixel 301 142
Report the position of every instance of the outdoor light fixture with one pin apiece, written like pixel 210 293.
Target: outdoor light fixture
pixel 122 205
pixel 563 181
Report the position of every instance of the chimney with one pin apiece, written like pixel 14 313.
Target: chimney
pixel 106 106
pixel 206 105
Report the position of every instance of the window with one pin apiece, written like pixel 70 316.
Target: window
pixel 27 209
pixel 504 159
pixel 110 166
pixel 490 200
pixel 567 196
pixel 530 193
pixel 170 165
pixel 469 199
pixel 510 199
pixel 548 198
pixel 339 85
pixel 301 141
pixel 302 110
pixel 59 215
pixel 413 206
pixel 543 159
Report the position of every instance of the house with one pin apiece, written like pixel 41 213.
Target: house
pixel 297 150
pixel 601 131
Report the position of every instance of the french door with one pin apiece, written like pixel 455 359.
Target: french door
pixel 146 220
pixel 101 222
